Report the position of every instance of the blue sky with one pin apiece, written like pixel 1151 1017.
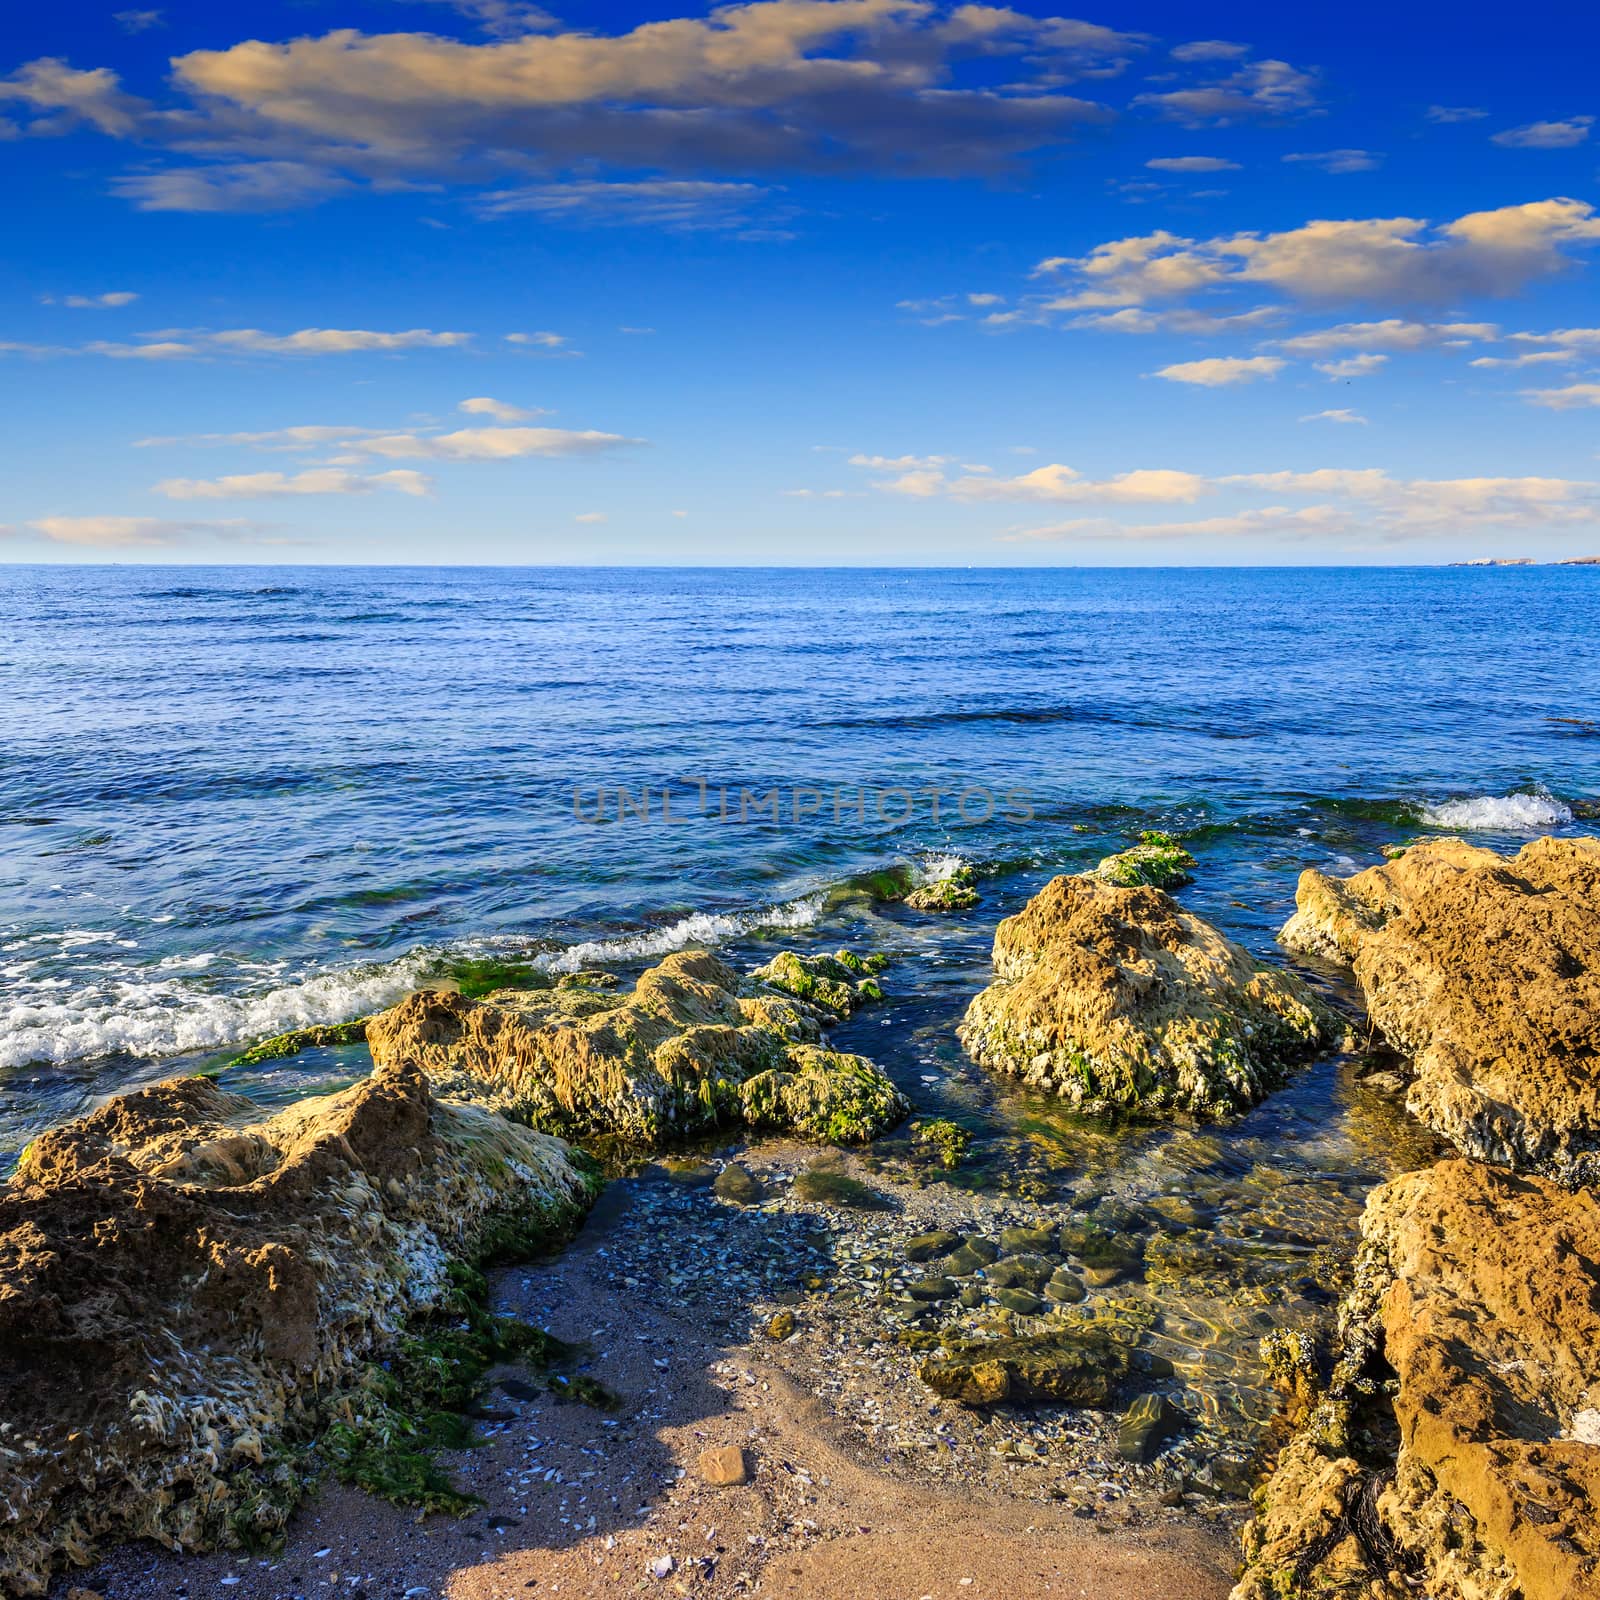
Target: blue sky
pixel 800 281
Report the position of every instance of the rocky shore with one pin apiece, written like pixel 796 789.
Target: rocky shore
pixel 1455 1449
pixel 804 1343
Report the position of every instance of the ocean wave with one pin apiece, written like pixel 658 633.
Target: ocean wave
pixel 1509 813
pixel 161 1017
pixel 151 1012
pixel 699 927
pixel 935 868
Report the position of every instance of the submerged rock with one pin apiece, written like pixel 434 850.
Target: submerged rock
pixel 956 891
pixel 835 984
pixel 1085 1366
pixel 693 1046
pixel 1118 997
pixel 1477 1470
pixel 1146 1426
pixel 1485 971
pixel 188 1289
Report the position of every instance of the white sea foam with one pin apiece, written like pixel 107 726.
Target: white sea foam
pixel 936 868
pixel 150 1012
pixel 1508 813
pixel 154 1017
pixel 701 927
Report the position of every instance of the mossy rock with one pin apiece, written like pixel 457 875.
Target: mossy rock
pixel 319 1036
pixel 1086 1366
pixel 958 891
pixel 948 1140
pixel 826 1187
pixel 1158 861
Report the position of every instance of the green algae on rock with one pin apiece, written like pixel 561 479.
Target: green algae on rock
pixel 1118 997
pixel 1088 1365
pixel 835 984
pixel 957 890
pixel 948 1140
pixel 319 1036
pixel 693 1047
pixel 189 1293
pixel 1158 861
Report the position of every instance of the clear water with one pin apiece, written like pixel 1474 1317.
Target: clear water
pixel 235 801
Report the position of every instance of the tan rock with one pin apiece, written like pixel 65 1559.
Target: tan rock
pixel 723 1467
pixel 188 1288
pixel 693 1046
pixel 1481 1291
pixel 1485 971
pixel 1117 996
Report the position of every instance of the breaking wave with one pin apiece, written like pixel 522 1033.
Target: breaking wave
pixel 1509 813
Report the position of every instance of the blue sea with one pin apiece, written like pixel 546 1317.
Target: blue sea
pixel 236 800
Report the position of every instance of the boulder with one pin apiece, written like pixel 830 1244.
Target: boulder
pixel 1476 1470
pixel 189 1289
pixel 1484 970
pixel 957 890
pixel 1082 1366
pixel 693 1046
pixel 1158 860
pixel 1118 997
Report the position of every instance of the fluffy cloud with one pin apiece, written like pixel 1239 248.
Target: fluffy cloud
pixel 824 85
pixel 1340 415
pixel 1193 164
pixel 1218 371
pixel 1393 333
pixel 1268 522
pixel 923 477
pixel 273 485
pixel 487 444
pixel 1534 358
pixel 500 410
pixel 1397 258
pixel 1338 161
pixel 1362 366
pixel 1567 399
pixel 1257 89
pixel 1547 135
pixel 1209 50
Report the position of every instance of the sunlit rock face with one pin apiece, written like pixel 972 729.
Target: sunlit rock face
pixel 1484 970
pixel 1107 995
pixel 188 1291
pixel 694 1046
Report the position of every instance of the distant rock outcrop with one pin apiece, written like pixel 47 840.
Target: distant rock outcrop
pixel 693 1046
pixel 1485 971
pixel 187 1290
pixel 1117 996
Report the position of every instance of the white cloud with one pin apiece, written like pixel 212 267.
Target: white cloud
pixel 681 205
pixel 1338 161
pixel 1455 113
pixel 488 444
pixel 273 485
pixel 113 300
pixel 772 85
pixel 309 436
pixel 1546 135
pixel 1362 366
pixel 590 516
pixel 500 410
pixel 1209 50
pixel 925 478
pixel 1268 522
pixel 1568 338
pixel 183 344
pixel 231 186
pixel 1392 333
pixel 1400 258
pixel 1567 399
pixel 1193 164
pixel 1256 89
pixel 1217 371
pixel 1336 416
pixel 132 533
pixel 1136 319
pixel 1534 358
pixel 138 21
